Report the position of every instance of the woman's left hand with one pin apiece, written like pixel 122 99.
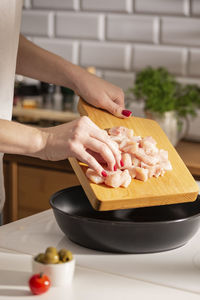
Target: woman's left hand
pixel 101 94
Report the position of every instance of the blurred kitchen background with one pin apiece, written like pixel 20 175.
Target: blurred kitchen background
pixel 114 39
pixel 119 38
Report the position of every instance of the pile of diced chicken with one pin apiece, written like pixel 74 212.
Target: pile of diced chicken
pixel 141 159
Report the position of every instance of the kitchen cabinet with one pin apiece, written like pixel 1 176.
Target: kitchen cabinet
pixel 190 154
pixel 30 182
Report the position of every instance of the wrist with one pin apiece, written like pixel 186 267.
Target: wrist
pixel 75 75
pixel 38 144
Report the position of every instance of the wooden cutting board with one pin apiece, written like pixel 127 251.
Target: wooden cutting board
pixel 175 186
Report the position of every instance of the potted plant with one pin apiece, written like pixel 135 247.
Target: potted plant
pixel 165 100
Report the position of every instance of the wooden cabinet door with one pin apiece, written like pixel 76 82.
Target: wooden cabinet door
pixel 36 185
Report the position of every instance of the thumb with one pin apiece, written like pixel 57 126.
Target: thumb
pixel 117 110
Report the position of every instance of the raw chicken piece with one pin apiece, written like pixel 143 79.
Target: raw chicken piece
pixel 150 149
pixel 132 172
pixel 127 160
pixel 129 146
pixel 156 170
pixel 121 131
pixel 94 177
pixel 166 165
pixel 135 162
pixel 148 139
pixel 147 159
pixel 113 179
pixel 141 174
pixel 136 139
pixel 125 178
pixel 163 154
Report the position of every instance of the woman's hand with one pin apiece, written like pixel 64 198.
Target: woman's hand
pixel 101 93
pixel 49 67
pixel 82 139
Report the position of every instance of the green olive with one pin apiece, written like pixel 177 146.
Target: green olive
pixel 65 255
pixel 51 258
pixel 51 250
pixel 40 257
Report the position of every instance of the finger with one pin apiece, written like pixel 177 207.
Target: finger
pixel 89 160
pixel 101 148
pixel 117 110
pixel 104 137
pixel 97 156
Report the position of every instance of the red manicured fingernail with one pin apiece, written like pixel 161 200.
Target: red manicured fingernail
pixel 126 113
pixel 115 168
pixel 104 174
pixel 122 163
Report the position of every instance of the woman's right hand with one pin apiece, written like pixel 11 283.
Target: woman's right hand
pixel 82 139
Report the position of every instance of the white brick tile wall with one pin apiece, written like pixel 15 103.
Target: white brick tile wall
pixel 181 31
pixel 123 80
pixel 57 4
pixel 172 7
pixel 194 62
pixel 104 55
pixel 130 28
pixel 37 23
pixel 195 7
pixel 79 25
pixel 108 5
pixel 156 56
pixel 65 48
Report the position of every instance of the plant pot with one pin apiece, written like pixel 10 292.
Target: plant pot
pixel 169 123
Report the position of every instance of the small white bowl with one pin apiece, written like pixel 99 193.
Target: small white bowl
pixel 59 274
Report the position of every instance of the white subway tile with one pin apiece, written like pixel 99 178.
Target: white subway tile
pixel 188 80
pixel 58 4
pixel 174 59
pixel 37 23
pixel 172 7
pixel 180 31
pixel 105 5
pixel 121 79
pixel 194 62
pixel 66 49
pixel 130 28
pixel 195 7
pixel 27 4
pixel 80 25
pixel 103 55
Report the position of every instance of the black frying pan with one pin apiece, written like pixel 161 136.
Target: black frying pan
pixel 139 230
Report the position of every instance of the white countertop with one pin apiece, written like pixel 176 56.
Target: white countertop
pixel 98 275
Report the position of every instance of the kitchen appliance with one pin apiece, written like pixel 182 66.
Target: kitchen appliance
pixel 176 186
pixel 139 230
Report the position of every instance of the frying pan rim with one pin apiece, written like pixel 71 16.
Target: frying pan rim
pixel 110 221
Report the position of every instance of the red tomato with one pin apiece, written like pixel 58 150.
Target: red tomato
pixel 39 283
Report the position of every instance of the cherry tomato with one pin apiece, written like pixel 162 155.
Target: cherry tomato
pixel 39 283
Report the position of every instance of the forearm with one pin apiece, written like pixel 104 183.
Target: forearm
pixel 16 138
pixel 37 63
